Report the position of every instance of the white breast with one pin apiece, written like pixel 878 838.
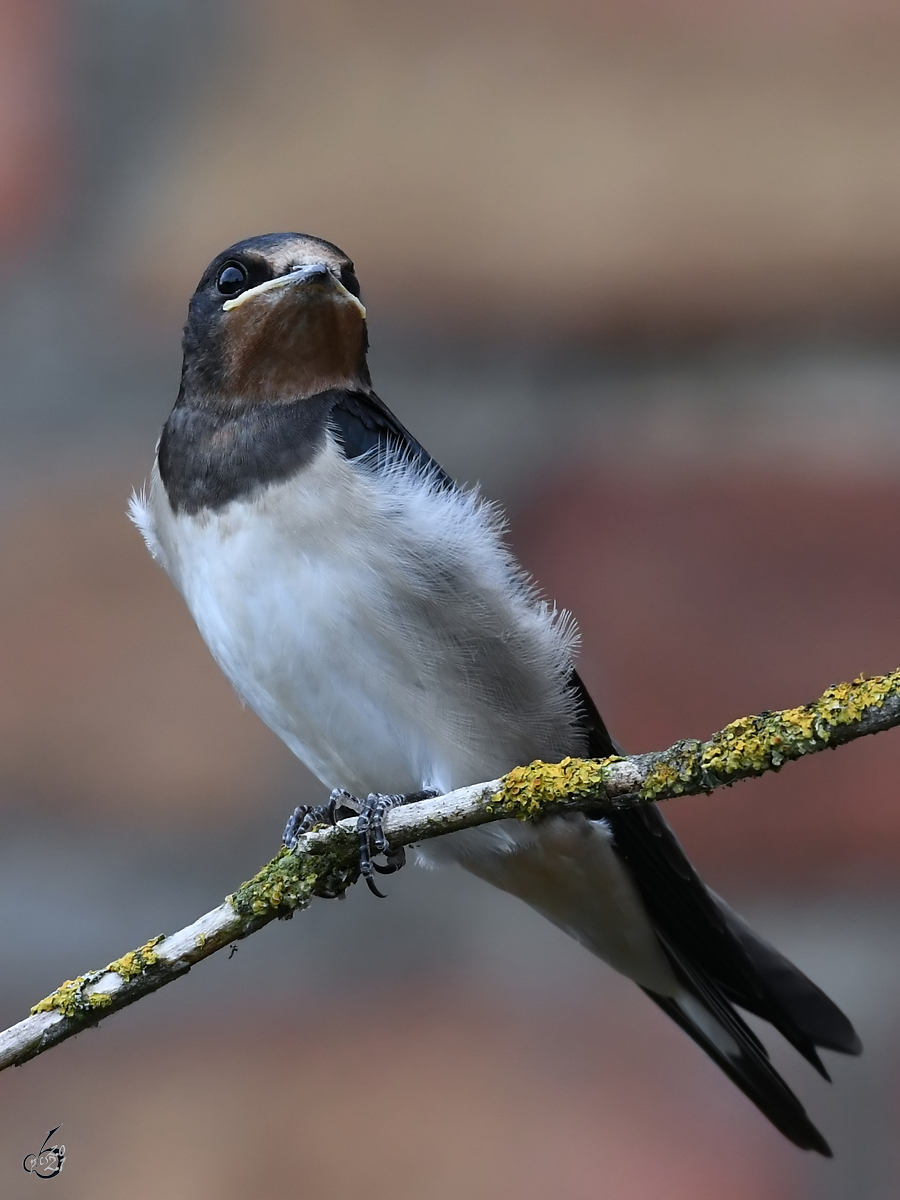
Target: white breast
pixel 377 623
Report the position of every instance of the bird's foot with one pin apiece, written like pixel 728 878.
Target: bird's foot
pixel 308 816
pixel 372 838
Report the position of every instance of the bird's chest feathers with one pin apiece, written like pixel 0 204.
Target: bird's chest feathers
pixel 376 622
pixel 279 581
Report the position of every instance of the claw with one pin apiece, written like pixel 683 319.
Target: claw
pixel 370 832
pixel 305 817
pixel 345 804
pixel 373 840
pixel 340 806
pixel 370 815
pixel 395 860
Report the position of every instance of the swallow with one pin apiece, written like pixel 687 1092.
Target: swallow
pixel 369 611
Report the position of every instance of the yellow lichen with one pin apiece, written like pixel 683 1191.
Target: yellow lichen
pixel 525 792
pixel 67 999
pixel 754 744
pixel 847 702
pixel 673 772
pixel 800 719
pixel 135 962
pixel 71 998
pixel 765 742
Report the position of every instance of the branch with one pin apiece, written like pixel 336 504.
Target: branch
pixel 326 861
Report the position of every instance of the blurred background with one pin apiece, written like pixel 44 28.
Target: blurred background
pixel 635 268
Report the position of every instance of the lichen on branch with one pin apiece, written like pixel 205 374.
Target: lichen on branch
pixel 73 998
pixel 753 745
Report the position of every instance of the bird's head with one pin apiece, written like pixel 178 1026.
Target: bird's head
pixel 275 319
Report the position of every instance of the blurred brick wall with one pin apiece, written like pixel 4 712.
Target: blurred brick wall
pixel 554 167
pixel 560 168
pixel 34 151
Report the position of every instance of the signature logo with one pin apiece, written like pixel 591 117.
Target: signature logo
pixel 48 1161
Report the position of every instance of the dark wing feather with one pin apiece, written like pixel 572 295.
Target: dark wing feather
pixel 689 918
pixel 365 424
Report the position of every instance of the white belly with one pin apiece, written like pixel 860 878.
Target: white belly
pixel 380 628
pixel 377 626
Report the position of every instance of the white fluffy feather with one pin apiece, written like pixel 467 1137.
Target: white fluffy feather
pixel 377 623
pixel 140 513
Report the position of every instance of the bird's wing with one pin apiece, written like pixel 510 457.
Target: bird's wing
pixel 366 425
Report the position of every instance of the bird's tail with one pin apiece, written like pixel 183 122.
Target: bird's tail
pixel 799 1010
pixel 706 1016
pixel 658 924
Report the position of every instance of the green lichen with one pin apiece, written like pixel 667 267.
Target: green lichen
pixel 283 885
pixel 71 998
pixel 293 878
pixel 526 792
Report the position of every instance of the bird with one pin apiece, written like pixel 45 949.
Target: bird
pixel 369 610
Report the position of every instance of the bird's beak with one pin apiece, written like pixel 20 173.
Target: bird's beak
pixel 310 275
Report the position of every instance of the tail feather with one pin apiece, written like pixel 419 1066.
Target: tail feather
pixel 706 1015
pixel 799 1009
pixel 748 971
pixel 755 1076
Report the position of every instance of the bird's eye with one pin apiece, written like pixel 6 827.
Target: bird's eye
pixel 231 279
pixel 349 280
